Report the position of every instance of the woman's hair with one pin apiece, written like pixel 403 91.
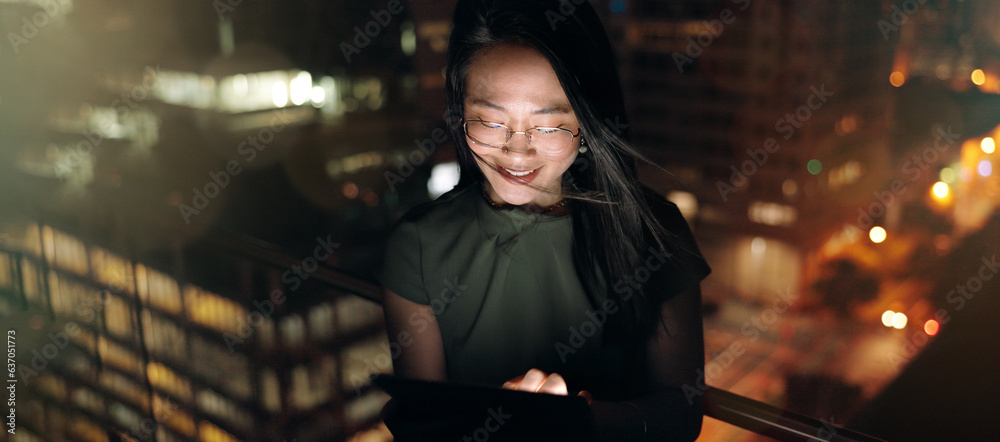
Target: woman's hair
pixel 613 224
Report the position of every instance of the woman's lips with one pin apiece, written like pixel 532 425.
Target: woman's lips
pixel 514 176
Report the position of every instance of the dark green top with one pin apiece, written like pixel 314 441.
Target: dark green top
pixel 503 286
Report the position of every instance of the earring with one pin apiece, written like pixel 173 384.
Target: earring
pixel 583 145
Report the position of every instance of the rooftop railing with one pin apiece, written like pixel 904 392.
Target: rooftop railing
pixel 24 289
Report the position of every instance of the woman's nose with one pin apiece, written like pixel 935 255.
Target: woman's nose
pixel 518 142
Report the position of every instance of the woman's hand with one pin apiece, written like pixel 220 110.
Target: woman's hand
pixel 537 381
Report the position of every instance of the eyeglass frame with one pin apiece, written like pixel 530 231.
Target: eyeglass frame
pixel 510 132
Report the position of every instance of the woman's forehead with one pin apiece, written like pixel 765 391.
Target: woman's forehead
pixel 512 78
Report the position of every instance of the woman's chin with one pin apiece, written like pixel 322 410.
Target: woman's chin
pixel 517 198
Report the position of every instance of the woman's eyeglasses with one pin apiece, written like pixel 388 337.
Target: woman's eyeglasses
pixel 550 140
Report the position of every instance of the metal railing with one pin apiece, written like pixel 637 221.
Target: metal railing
pixel 774 422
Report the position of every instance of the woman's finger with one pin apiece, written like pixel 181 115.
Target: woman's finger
pixel 554 384
pixel 513 384
pixel 532 380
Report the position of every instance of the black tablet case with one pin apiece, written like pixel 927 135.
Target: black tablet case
pixel 472 410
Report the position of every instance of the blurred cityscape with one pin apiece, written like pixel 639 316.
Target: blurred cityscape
pixel 195 197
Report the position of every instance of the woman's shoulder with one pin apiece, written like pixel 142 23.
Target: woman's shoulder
pixel 421 235
pixel 455 207
pixel 680 241
pixel 665 211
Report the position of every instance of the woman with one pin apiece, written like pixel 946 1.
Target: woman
pixel 549 268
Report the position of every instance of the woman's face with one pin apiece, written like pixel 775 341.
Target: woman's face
pixel 517 87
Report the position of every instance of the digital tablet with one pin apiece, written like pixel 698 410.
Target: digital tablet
pixel 500 412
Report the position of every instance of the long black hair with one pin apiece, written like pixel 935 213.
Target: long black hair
pixel 612 222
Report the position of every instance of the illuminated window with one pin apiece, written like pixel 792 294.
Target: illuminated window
pixel 157 289
pixel 164 338
pixel 185 89
pixel 313 384
pixel 846 174
pixel 124 415
pixel 214 311
pixel 362 360
pixel 354 313
pixel 125 388
pixel 166 434
pixel 6 278
pixel 118 317
pixel 321 321
pixel 772 214
pixel 72 299
pixel 65 251
pixel 358 162
pixel 228 371
pixel 172 415
pixel 51 385
pixel 365 408
pixel 76 362
pixel 167 380
pixel 85 429
pixel 31 284
pixel 211 433
pixel 33 240
pixel 270 391
pixel 293 330
pixel 111 270
pixel 57 295
pixel 87 399
pixel 86 339
pixel 119 357
pixel 264 333
pixel 216 405
pixel 435 33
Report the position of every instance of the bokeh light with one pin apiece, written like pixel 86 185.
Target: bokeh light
pixel 279 94
pixel 887 318
pixel 985 168
pixel 988 145
pixel 318 96
pixel 300 88
pixel 877 234
pixel 351 190
pixel 978 77
pixel 897 79
pixel 931 327
pixel 898 321
pixel 814 166
pixel 940 189
pixel 948 175
pixel 789 188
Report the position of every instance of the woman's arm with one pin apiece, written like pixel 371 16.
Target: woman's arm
pixel 676 353
pixel 413 330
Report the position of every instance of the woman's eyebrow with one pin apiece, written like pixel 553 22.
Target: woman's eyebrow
pixel 488 104
pixel 554 109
